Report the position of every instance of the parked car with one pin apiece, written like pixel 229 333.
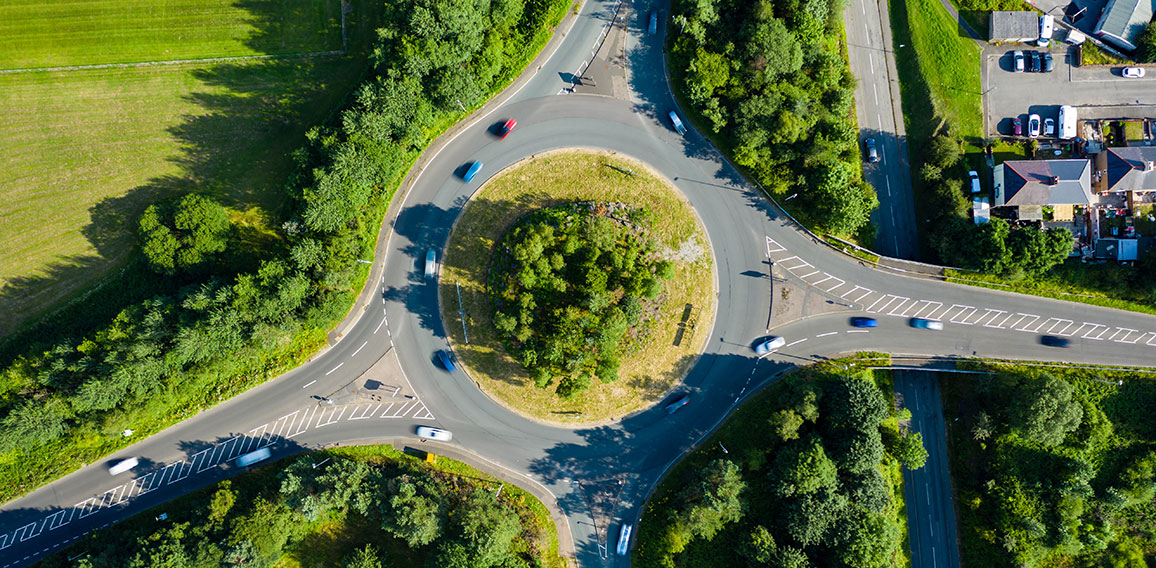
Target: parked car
pixel 446 360
pixel 431 263
pixel 1047 63
pixel 922 323
pixel 677 404
pixel 1055 341
pixel 1018 61
pixel 1034 61
pixel 122 466
pixel 624 539
pixel 864 322
pixel 1049 127
pixel 772 343
pixel 432 433
pixel 472 172
pixel 1017 126
pixel 677 122
pixel 1047 24
pixel 872 151
pixel 973 177
pixel 1133 72
pixel 1034 125
pixel 504 131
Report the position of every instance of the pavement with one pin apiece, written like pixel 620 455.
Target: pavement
pixel 595 477
pixel 878 109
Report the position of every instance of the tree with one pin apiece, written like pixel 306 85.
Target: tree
pixel 983 427
pixel 869 490
pixel 785 424
pixel 1146 44
pixel 713 499
pixel 366 557
pixel 414 518
pixel 707 72
pixel 854 403
pixel 484 531
pixel 909 451
pixel 803 467
pixel 868 540
pixel 1045 410
pixel 942 151
pixel 858 451
pixel 184 237
pixel 773 49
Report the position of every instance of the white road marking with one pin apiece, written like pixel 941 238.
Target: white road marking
pixel 335 368
pixel 858 331
pixel 359 349
pixel 876 91
pixel 379 326
pixel 308 384
pixel 993 313
pixel 794 342
pixel 778 247
pixel 826 334
pixel 887 180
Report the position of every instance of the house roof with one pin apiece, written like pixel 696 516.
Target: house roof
pixel 1046 182
pixel 1013 25
pixel 1123 20
pixel 1126 167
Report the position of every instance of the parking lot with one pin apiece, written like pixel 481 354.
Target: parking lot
pixel 1097 92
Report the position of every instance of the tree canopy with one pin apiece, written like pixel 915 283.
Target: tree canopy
pixel 184 236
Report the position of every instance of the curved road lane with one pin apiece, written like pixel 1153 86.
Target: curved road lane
pixel 380 380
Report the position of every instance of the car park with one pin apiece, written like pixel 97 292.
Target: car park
pixel 446 360
pixel 1018 61
pixel 507 126
pixel 864 322
pixel 1133 72
pixel 431 263
pixel 769 345
pixel 1048 63
pixel 1049 127
pixel 1034 61
pixel 923 323
pixel 122 466
pixel 1055 341
pixel 1017 126
pixel 973 177
pixel 624 539
pixel 677 122
pixel 1034 126
pixel 872 151
pixel 472 171
pixel 431 433
pixel 677 404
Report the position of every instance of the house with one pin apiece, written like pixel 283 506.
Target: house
pixel 1028 185
pixel 1019 26
pixel 1131 168
pixel 1123 20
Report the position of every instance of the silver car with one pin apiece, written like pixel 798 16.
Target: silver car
pixel 432 433
pixel 769 345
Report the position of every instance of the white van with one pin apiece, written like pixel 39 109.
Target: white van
pixel 624 539
pixel 1067 122
pixel 1047 23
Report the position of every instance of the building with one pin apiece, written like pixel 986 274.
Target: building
pixel 1013 26
pixel 1132 168
pixel 1123 20
pixel 1028 185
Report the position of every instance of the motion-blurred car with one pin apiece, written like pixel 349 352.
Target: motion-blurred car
pixel 922 323
pixel 431 263
pixel 446 360
pixel 864 322
pixel 122 466
pixel 472 171
pixel 1034 126
pixel 872 151
pixel 772 343
pixel 677 404
pixel 1049 127
pixel 504 131
pixel 1133 72
pixel 677 122
pixel 432 433
pixel 624 539
pixel 253 457
pixel 1055 341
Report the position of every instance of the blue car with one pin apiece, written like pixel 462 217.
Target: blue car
pixel 864 322
pixel 473 171
pixel 447 362
pixel 677 404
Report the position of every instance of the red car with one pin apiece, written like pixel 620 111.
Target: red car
pixel 506 128
pixel 1018 126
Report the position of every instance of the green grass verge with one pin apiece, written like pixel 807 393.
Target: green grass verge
pixel 65 32
pixel 1090 54
pixel 1107 285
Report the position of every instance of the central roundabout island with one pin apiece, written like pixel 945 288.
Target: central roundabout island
pixel 584 283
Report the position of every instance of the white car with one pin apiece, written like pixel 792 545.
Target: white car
pixel 1049 127
pixel 1034 126
pixel 1018 61
pixel 1133 72
pixel 770 344
pixel 434 433
pixel 123 466
pixel 624 539
pixel 431 263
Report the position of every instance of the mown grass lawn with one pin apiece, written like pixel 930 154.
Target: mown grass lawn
pixel 949 64
pixel 649 367
pixel 51 33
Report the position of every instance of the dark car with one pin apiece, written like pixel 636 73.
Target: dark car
pixel 1033 61
pixel 864 322
pixel 1017 126
pixel 447 362
pixel 504 131
pixel 677 404
pixel 1055 341
pixel 1047 63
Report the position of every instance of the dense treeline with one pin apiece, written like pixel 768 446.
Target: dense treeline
pixel 810 478
pixel 567 284
pixel 222 332
pixel 405 514
pixel 1054 471
pixel 771 79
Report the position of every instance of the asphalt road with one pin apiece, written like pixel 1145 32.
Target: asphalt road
pixel 877 107
pixel 930 515
pixel 382 379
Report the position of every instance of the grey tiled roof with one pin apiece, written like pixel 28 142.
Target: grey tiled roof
pixel 1013 25
pixel 1029 182
pixel 1125 19
pixel 1126 166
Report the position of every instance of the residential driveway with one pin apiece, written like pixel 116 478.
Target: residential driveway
pixel 1097 92
pixel 1083 14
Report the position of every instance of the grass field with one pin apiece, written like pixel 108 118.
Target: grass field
pixel 650 368
pixel 949 63
pixel 66 32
